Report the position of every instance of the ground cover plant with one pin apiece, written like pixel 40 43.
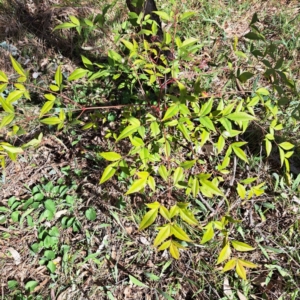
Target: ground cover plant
pixel 151 167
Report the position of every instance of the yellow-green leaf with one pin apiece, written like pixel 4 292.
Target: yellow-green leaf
pixel 58 76
pixel 241 191
pixel 286 146
pixel 164 212
pixel 209 233
pixel 154 127
pixel 3 87
pixel 137 282
pixel 46 107
pixel 182 127
pixel 162 170
pixel 165 245
pixel 163 234
pixel 281 155
pixel 74 20
pixel 171 111
pixel 174 210
pixel 268 146
pixel 211 187
pixel 7 120
pixel 247 263
pixel 179 233
pixel 151 183
pixel 137 185
pixel 229 265
pixel 109 172
pixel 14 96
pixel 51 121
pixel 54 87
pixel 111 156
pixel 240 270
pixel 3 77
pixel 240 246
pixel 129 130
pixel 224 254
pixel 240 153
pixel 187 216
pixel 174 250
pixel 17 67
pixel 12 149
pixel 207 123
pixel 178 175
pixel 77 74
pixel 240 117
pixel 148 219
pixel 153 205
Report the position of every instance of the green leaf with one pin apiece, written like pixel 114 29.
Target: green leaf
pixel 163 15
pixel 224 254
pixel 65 25
pixel 206 108
pixel 247 264
pixel 51 121
pixel 128 45
pixel 229 265
pixel 77 74
pixel 151 183
pixel 163 234
pixel 171 111
pixel 58 76
pixel 240 270
pixel 209 233
pixel 31 285
pixel 262 91
pixel 239 246
pixel 3 87
pixel 187 164
pixel 129 130
pixel 268 146
pixel 14 96
pixel 174 250
pixel 182 127
pixel 245 76
pixel 149 218
pixel 49 97
pixel 17 67
pixel 137 185
pixel 54 87
pixel 195 187
pixel 109 172
pixel 188 42
pixel 207 123
pixel 178 175
pixel 51 266
pixel 165 245
pixel 154 129
pixel 240 117
pixel 74 20
pixel 90 214
pixel 188 216
pixel 115 56
pixel 241 191
pixel 162 170
pixel 154 205
pixel 111 156
pixel 211 187
pixel 50 205
pixel 286 146
pixel 240 153
pixel 7 120
pixel 3 77
pixel 221 144
pixel 186 15
pixel 136 281
pixel 12 149
pixel 179 233
pixel 46 107
pixel 282 156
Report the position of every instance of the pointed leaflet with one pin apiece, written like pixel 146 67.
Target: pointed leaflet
pixel 111 156
pixel 211 187
pixel 247 263
pixel 109 172
pixel 58 76
pixel 174 250
pixel 207 123
pixel 165 245
pixel 14 96
pixel 239 246
pixel 77 74
pixel 286 146
pixel 172 111
pixel 6 106
pixel 241 191
pixel 149 218
pixel 229 265
pixel 178 175
pixel 224 254
pixel 268 146
pixel 240 270
pixel 137 185
pixel 129 130
pixel 7 120
pixel 51 121
pixel 46 107
pixel 240 153
pixel 187 216
pixel 151 183
pixel 137 282
pixel 179 233
pixel 164 212
pixel 163 234
pixel 240 116
pixel 209 233
pixel 3 77
pixel 17 67
pixel 11 149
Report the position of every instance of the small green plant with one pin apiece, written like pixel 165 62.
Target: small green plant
pixel 165 138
